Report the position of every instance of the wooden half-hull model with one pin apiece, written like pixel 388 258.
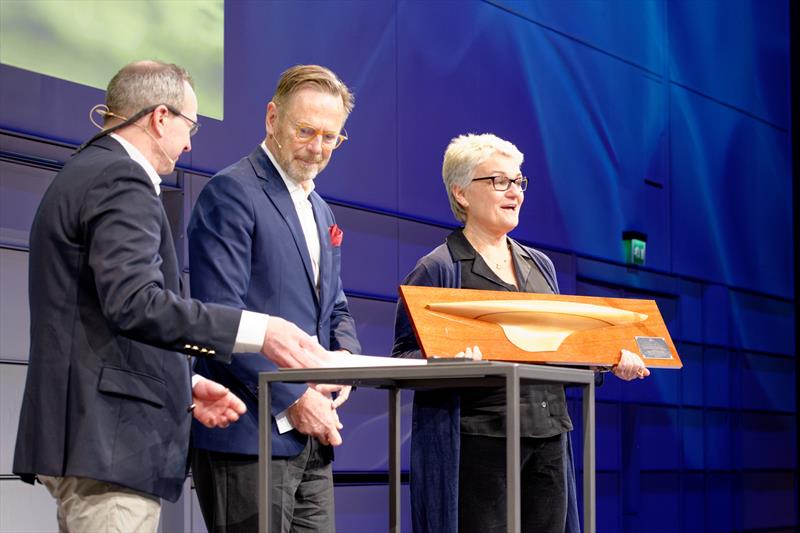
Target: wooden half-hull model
pixel 538 328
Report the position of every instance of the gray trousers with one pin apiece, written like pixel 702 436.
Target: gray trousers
pixel 302 491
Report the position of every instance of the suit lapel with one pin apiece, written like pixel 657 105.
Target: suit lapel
pixel 325 249
pixel 276 191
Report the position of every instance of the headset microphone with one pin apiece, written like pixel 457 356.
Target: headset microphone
pixel 103 111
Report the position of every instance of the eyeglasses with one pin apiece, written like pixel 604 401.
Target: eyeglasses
pixel 330 139
pixel 502 183
pixel 194 125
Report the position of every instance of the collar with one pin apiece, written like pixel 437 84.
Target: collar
pixel 295 190
pixel 462 250
pixel 460 247
pixel 139 157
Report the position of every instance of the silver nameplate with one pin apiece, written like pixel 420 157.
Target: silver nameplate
pixel 653 348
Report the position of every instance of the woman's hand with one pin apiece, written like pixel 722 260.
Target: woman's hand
pixel 630 367
pixel 473 353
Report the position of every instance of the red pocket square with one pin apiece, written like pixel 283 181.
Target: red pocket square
pixel 336 235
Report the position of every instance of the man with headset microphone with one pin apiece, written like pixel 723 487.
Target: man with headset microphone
pixel 108 399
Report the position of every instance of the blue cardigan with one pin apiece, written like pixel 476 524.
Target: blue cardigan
pixel 435 427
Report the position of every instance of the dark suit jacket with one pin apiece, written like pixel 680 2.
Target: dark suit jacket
pixel 107 393
pixel 247 249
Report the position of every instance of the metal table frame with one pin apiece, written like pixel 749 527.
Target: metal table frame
pixel 440 375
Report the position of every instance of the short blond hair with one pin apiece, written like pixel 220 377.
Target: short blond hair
pixel 464 154
pixel 321 78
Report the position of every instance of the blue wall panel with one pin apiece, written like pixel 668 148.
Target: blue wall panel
pixel 22 189
pixel 365 508
pixel 759 323
pixel 691 374
pixel 366 432
pixel 768 500
pixel 608 501
pixel 716 377
pixel 694 509
pixel 369 251
pixel 659 509
pixel 768 383
pixel 414 241
pixel 728 172
pixel 716 314
pixel 374 323
pixel 690 311
pixel 721 509
pixel 633 31
pixel 659 438
pixel 692 427
pixel 718 440
pixel 767 440
pixel 735 51
pixel 45 106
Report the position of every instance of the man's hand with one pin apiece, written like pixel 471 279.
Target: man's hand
pixel 328 390
pixel 630 366
pixel 214 405
pixel 286 345
pixel 314 415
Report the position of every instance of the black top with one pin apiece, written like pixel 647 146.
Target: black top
pixel 543 408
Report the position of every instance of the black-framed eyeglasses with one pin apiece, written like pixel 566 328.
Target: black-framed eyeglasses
pixel 502 183
pixel 194 125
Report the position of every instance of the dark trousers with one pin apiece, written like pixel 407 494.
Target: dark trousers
pixel 482 485
pixel 302 491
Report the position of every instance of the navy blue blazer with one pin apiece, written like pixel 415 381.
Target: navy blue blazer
pixel 107 392
pixel 247 249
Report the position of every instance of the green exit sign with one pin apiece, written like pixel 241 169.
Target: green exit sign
pixel 635 244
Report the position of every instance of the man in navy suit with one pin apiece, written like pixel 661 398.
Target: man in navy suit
pixel 108 399
pixel 261 238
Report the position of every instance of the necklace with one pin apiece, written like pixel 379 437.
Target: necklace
pixel 501 264
pixel 498 264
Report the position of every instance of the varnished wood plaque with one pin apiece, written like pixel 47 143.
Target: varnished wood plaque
pixel 538 328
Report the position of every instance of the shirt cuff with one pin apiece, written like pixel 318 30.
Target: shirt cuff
pixel 252 330
pixel 282 421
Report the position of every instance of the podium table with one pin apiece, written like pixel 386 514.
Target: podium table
pixel 440 375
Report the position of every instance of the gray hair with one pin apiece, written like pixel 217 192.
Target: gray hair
pixel 146 83
pixel 463 155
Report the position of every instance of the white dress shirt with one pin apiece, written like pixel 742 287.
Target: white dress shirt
pixel 305 213
pixel 308 223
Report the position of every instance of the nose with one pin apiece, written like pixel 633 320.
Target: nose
pixel 315 144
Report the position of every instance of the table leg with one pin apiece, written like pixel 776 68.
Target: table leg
pixel 394 460
pixel 265 445
pixel 514 517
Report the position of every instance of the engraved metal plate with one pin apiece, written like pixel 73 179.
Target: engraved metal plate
pixel 653 348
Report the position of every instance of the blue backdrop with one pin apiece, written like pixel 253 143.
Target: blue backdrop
pixel 671 118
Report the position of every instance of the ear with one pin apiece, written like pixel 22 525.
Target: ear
pixel 458 194
pixel 271 118
pixel 158 120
